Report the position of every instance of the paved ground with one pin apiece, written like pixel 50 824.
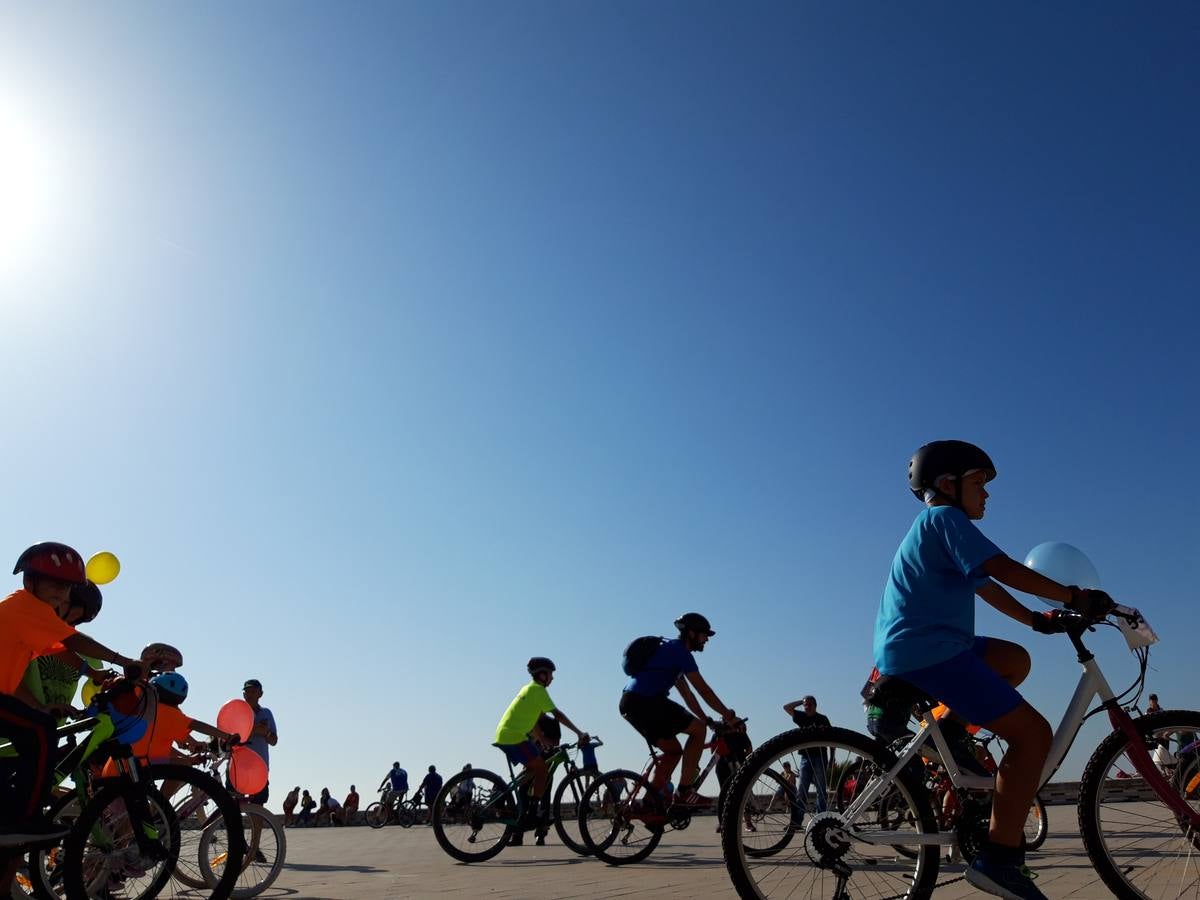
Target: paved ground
pixel 362 864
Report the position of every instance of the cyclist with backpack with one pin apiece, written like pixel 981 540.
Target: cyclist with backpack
pixel 655 665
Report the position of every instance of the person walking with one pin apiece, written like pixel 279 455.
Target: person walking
pixel 812 764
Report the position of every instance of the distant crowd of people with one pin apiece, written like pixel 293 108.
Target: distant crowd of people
pixel 300 808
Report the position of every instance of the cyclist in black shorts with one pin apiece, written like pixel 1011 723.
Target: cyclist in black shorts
pixel 645 704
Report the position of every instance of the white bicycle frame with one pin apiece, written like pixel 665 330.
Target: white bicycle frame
pixel 1092 684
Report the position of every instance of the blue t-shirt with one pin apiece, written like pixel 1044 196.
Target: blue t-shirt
pixel 430 787
pixel 669 661
pixel 927 614
pixel 399 779
pixel 258 742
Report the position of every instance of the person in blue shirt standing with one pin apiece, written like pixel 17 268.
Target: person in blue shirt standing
pixel 646 706
pixel 925 635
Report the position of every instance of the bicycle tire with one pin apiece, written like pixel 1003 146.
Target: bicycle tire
pixel 1036 825
pixel 376 815
pixel 251 880
pixel 1122 873
pixel 824 849
pixel 578 783
pixel 225 808
pixel 756 814
pixel 492 806
pixel 104 819
pixel 639 802
pixel 406 814
pixel 44 864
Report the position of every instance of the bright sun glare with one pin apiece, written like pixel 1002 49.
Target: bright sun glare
pixel 23 186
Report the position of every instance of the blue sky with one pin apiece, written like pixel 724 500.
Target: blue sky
pixel 391 344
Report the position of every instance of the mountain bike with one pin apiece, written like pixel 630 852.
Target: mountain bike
pixel 405 813
pixel 623 816
pixel 124 834
pixel 205 841
pixel 1141 842
pixel 476 823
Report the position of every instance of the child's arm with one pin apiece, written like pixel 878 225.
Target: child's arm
pixel 86 646
pixel 1015 575
pixel 562 717
pixel 1000 599
pixel 212 731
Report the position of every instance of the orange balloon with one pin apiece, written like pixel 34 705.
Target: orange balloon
pixel 247 771
pixel 237 717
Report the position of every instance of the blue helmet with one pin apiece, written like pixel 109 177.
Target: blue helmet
pixel 171 686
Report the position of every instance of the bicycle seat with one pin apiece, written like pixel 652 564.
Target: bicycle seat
pixel 892 691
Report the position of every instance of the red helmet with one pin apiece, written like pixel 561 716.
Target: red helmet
pixel 54 560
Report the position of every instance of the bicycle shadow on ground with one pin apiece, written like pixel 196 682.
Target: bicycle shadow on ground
pixel 318 867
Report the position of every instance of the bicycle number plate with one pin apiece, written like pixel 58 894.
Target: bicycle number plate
pixel 1141 635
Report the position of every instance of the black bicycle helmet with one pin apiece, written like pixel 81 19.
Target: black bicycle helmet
pixel 693 621
pixel 88 598
pixel 937 459
pixel 540 664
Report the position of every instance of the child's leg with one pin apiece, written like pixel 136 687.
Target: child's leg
pixel 1008 660
pixel 1028 736
pixel 32 735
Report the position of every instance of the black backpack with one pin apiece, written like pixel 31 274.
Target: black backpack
pixel 637 655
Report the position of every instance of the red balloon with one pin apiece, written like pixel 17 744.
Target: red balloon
pixel 247 771
pixel 236 717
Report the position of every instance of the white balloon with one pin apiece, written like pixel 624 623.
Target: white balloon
pixel 1063 563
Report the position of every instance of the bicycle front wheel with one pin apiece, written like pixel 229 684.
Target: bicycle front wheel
pixel 266 851
pixel 478 827
pixel 376 815
pixel 1035 825
pixel 125 842
pixel 849 849
pixel 406 814
pixel 622 817
pixel 568 800
pixel 1140 847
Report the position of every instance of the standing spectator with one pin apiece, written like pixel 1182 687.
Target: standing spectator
pixel 430 787
pixel 263 735
pixel 1153 706
pixel 350 805
pixel 812 763
pixel 307 805
pixel 289 806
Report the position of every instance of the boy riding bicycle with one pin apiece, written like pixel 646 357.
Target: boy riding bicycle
pixel 925 635
pixel 30 623
pixel 646 706
pixel 518 735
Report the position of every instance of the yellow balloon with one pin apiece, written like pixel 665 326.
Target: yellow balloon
pixel 103 567
pixel 90 688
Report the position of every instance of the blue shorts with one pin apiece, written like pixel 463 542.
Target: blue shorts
pixel 968 685
pixel 520 754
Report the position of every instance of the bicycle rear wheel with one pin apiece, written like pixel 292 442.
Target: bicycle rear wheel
pixel 842 853
pixel 1036 825
pixel 622 817
pixel 1140 847
pixel 43 877
pixel 478 828
pixel 568 800
pixel 266 852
